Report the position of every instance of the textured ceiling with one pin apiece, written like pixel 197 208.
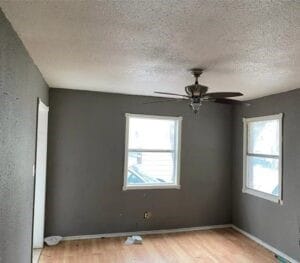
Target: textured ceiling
pixel 137 47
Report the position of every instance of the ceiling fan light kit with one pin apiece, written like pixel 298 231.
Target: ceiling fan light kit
pixel 197 94
pixel 195 106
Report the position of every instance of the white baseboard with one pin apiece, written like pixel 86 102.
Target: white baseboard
pixel 264 244
pixel 148 232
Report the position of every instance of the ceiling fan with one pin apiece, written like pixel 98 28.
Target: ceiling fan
pixel 197 94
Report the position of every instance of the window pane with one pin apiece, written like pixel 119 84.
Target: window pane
pixel 150 168
pixel 263 137
pixel 263 174
pixel 147 133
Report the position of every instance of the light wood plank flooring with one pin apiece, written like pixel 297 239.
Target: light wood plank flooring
pixel 219 245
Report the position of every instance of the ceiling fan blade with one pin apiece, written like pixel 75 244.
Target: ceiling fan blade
pixel 229 101
pixel 173 94
pixel 166 100
pixel 222 94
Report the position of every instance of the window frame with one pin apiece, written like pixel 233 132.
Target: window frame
pixel 251 191
pixel 177 150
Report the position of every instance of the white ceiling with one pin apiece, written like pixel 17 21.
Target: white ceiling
pixel 138 47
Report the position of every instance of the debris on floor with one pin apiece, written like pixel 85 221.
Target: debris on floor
pixel 53 240
pixel 134 240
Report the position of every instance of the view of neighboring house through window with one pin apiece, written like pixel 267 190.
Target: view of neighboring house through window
pixel 262 157
pixel 152 152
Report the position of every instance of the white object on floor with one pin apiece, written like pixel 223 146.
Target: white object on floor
pixel 36 255
pixel 53 240
pixel 134 240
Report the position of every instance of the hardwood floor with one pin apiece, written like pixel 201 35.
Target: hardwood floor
pixel 219 245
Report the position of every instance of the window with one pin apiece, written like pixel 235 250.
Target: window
pixel 262 157
pixel 152 152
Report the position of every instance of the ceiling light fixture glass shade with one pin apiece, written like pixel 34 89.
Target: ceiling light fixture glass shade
pixel 195 106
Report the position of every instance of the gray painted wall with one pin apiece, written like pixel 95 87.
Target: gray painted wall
pixel 85 166
pixel 20 85
pixel 278 225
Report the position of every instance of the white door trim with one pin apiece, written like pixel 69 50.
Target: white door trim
pixel 40 175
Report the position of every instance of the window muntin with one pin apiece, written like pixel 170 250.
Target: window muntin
pixel 152 152
pixel 262 156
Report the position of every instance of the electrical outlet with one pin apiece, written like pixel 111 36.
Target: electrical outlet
pixel 147 215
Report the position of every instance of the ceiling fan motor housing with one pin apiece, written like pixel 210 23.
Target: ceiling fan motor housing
pixel 196 90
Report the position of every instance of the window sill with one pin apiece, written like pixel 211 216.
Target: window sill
pixel 272 198
pixel 145 187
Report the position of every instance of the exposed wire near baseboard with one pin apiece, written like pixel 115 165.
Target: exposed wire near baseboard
pixel 281 259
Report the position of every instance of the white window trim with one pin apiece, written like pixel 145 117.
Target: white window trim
pixel 176 185
pixel 245 189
